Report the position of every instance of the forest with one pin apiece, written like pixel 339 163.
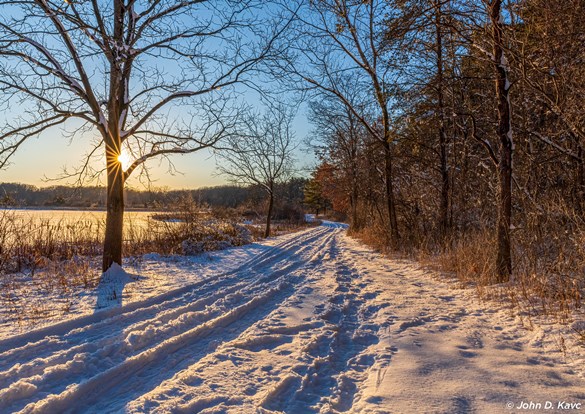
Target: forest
pixel 467 145
pixel 289 194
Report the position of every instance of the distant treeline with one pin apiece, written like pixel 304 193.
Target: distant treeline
pixel 225 196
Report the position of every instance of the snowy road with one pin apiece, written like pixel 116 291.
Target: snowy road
pixel 314 323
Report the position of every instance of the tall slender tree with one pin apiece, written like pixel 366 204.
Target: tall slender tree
pixel 506 144
pixel 262 154
pixel 350 38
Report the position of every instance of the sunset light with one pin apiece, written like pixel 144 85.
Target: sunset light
pixel 124 159
pixel 301 206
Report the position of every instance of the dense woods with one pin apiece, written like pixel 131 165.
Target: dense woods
pixel 478 104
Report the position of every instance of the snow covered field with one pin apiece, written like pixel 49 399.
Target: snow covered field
pixel 307 322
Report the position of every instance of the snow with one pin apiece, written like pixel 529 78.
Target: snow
pixel 102 121
pixel 310 218
pixel 122 116
pixel 306 322
pixel 111 287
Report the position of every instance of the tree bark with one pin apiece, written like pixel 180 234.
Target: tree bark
pixel 504 132
pixel 579 187
pixel 115 210
pixel 381 98
pixel 445 223
pixel 353 157
pixel 354 184
pixel 115 184
pixel 390 204
pixel 354 200
pixel 269 215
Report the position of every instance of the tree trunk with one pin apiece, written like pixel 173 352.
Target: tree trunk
pixel 354 210
pixel 115 210
pixel 269 215
pixel 381 98
pixel 504 130
pixel 117 101
pixel 445 202
pixel 390 204
pixel 354 190
pixel 579 187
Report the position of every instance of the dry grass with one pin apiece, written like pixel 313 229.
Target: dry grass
pixel 28 245
pixel 548 255
pixel 57 259
pixel 374 236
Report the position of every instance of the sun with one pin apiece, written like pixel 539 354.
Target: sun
pixel 124 160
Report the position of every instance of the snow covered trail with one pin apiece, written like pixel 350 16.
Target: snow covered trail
pixel 313 323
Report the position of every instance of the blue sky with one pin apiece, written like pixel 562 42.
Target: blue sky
pixel 47 156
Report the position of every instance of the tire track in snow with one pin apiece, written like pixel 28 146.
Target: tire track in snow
pixel 111 348
pixel 265 333
pixel 166 355
pixel 326 382
pixel 38 343
pixel 69 349
pixel 293 275
pixel 92 344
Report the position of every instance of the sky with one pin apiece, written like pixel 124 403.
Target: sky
pixel 40 160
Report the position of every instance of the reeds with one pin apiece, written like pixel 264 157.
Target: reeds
pixel 548 256
pixel 46 262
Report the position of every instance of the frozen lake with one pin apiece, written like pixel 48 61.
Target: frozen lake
pixel 71 216
pixel 62 221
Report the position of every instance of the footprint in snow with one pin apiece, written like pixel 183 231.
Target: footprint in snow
pixel 412 323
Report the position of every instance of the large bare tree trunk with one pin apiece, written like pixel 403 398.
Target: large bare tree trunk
pixel 115 196
pixel 504 130
pixel 115 210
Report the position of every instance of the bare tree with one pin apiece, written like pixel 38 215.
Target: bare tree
pixel 340 141
pixel 262 155
pixel 440 88
pixel 153 78
pixel 506 145
pixel 488 20
pixel 341 37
